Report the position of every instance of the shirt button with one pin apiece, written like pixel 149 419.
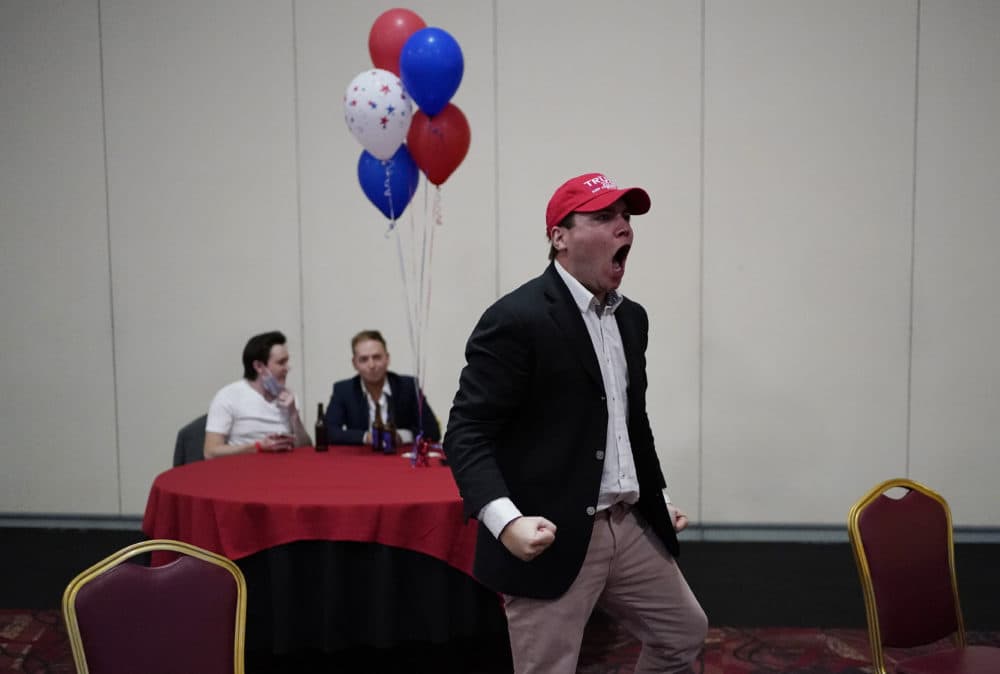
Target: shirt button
pixel 599 455
pixel 591 510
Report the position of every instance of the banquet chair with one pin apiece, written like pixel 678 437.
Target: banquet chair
pixel 905 556
pixel 190 445
pixel 188 615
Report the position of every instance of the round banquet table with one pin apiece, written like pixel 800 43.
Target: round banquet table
pixel 340 549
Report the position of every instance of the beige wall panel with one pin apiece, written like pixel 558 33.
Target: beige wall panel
pixel 203 187
pixel 204 222
pixel 351 268
pixel 582 90
pixel 955 413
pixel 808 183
pixel 57 410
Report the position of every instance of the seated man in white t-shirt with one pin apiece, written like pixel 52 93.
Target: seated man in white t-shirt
pixel 256 413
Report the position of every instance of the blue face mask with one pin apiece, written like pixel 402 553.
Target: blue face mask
pixel 270 383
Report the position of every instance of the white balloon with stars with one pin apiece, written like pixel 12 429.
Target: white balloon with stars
pixel 378 111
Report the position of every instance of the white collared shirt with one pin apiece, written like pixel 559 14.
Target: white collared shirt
pixel 383 402
pixel 619 481
pixel 405 434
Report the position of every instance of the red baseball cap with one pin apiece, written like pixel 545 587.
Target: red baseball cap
pixel 591 192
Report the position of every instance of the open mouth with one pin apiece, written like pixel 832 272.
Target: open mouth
pixel 618 261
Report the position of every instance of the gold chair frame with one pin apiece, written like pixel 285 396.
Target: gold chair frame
pixel 861 559
pixel 155 545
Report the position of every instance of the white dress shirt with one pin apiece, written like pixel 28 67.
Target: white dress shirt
pixel 405 434
pixel 619 481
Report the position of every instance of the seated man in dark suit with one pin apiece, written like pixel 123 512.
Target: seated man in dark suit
pixel 351 411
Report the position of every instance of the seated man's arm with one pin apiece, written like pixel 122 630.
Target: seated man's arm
pixel 215 445
pixel 432 430
pixel 338 420
pixel 221 419
pixel 416 417
pixel 287 402
pixel 302 438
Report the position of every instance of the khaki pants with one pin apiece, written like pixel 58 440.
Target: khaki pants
pixel 632 577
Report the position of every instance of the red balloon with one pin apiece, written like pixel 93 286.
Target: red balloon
pixel 389 33
pixel 438 144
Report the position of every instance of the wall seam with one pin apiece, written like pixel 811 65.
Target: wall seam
pixel 298 208
pixel 701 276
pixel 496 151
pixel 913 242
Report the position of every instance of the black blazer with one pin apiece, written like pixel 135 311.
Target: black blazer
pixel 529 422
pixel 347 412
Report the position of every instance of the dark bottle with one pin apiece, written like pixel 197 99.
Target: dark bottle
pixel 389 437
pixel 377 429
pixel 322 444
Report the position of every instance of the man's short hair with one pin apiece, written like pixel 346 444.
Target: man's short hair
pixel 364 336
pixel 259 348
pixel 566 223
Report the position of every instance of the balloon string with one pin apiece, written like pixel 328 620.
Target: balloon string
pixel 421 325
pixel 387 191
pixel 419 355
pixel 407 300
pixel 416 277
pixel 415 267
pixel 438 211
pixel 423 302
pixel 430 276
pixel 421 276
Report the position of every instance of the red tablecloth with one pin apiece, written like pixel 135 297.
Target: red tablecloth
pixel 240 505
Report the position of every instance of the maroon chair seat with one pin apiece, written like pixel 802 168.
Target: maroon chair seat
pixel 185 616
pixel 904 552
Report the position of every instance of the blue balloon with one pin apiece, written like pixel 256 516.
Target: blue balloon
pixel 390 183
pixel 431 66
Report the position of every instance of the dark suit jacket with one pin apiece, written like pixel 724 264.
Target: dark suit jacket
pixel 529 422
pixel 347 413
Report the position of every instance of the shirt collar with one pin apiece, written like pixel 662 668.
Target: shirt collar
pixel 386 389
pixel 584 299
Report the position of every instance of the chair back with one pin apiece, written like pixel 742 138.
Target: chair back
pixel 188 615
pixel 904 551
pixel 190 445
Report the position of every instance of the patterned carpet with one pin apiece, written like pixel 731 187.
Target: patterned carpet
pixel 608 649
pixel 35 642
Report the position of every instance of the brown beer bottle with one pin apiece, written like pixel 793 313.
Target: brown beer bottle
pixel 377 429
pixel 322 444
